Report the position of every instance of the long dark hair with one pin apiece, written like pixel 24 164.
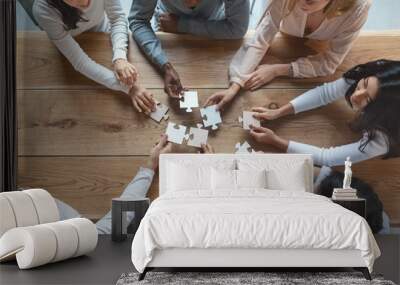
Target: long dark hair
pixel 364 190
pixel 69 15
pixel 383 113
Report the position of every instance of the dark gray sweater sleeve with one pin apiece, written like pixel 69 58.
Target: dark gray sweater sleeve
pixel 139 23
pixel 233 26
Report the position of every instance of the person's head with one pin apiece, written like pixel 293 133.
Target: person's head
pixel 364 190
pixel 70 10
pixel 331 8
pixel 375 93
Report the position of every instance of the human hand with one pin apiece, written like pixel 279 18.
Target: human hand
pixel 263 135
pixel 207 148
pixel 142 99
pixel 262 75
pixel 266 113
pixel 172 82
pixel 125 72
pixel 168 23
pixel 221 98
pixel 163 146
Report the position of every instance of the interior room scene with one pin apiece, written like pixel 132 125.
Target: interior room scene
pixel 200 142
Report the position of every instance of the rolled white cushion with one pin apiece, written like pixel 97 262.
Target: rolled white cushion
pixel 7 218
pixel 87 235
pixel 46 207
pixel 67 240
pixel 37 245
pixel 32 246
pixel 23 208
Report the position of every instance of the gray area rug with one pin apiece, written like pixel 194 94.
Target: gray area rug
pixel 243 278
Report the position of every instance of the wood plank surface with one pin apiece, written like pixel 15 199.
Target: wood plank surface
pixel 201 63
pixel 98 122
pixel 86 183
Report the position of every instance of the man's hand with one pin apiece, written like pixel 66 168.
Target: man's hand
pixel 172 82
pixel 168 23
pixel 163 146
pixel 222 98
pixel 142 99
pixel 125 72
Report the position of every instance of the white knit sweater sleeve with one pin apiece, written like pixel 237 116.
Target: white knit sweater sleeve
pixel 51 22
pixel 118 28
pixel 321 95
pixel 335 156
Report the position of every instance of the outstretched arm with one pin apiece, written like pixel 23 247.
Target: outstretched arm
pixel 140 185
pixel 234 26
pixel 253 50
pixel 139 22
pixel 335 156
pixel 51 22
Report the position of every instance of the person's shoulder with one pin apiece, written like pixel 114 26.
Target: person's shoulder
pixel 360 7
pixel 42 10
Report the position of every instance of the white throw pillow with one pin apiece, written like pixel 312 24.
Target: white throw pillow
pixel 230 180
pixel 251 178
pixel 223 179
pixel 183 178
pixel 282 174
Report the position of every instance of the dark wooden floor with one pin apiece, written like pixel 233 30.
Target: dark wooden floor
pixel 106 264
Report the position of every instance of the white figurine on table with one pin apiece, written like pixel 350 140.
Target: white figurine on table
pixel 347 174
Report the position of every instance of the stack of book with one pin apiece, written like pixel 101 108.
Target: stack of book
pixel 344 194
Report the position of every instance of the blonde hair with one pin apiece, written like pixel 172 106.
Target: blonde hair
pixel 334 8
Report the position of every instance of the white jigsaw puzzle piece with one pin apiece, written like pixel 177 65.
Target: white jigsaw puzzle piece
pixel 160 112
pixel 176 133
pixel 189 100
pixel 211 117
pixel 197 137
pixel 243 148
pixel 199 126
pixel 248 120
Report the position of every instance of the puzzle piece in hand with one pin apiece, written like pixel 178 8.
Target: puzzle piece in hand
pixel 197 137
pixel 160 112
pixel 243 148
pixel 210 116
pixel 189 100
pixel 248 120
pixel 176 133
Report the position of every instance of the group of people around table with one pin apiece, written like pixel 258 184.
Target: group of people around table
pixel 372 89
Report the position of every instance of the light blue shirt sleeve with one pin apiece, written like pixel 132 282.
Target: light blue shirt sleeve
pixel 233 26
pixel 335 156
pixel 321 95
pixel 136 189
pixel 139 23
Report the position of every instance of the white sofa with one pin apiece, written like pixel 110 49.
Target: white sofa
pixel 31 233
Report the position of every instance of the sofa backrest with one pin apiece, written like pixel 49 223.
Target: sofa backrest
pixel 280 166
pixel 26 208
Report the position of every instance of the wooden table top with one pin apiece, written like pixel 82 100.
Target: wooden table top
pixel 84 143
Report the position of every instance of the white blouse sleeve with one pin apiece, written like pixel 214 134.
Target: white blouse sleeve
pixel 118 28
pixel 335 156
pixel 250 54
pixel 321 95
pixel 51 22
pixel 326 63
